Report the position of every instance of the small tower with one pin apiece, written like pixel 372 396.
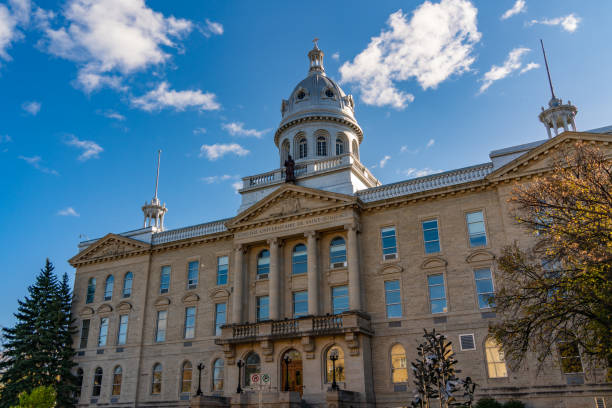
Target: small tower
pixel 558 115
pixel 154 211
pixel 316 59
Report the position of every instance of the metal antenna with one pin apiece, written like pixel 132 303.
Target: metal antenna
pixel 157 176
pixel 552 91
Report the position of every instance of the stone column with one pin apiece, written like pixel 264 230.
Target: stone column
pixel 274 280
pixel 354 280
pixel 313 273
pixel 238 284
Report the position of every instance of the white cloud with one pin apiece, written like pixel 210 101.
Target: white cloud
pixel 91 150
pixel 111 114
pixel 35 161
pixel 434 44
pixel 430 143
pixel 68 212
pixel 210 28
pixel 512 63
pixel 519 7
pixel 237 186
pixel 412 172
pixel 109 39
pixel 31 107
pixel 199 131
pixel 335 56
pixel 10 20
pixel 405 149
pixel 215 151
pixel 529 67
pixel 218 179
pixel 384 161
pixel 162 97
pixel 569 23
pixel 237 129
pixel 5 139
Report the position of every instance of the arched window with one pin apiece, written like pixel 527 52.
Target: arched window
pixel 91 290
pixel 263 264
pixel 355 149
pixel 218 374
pixel 108 287
pixel 156 380
pixel 399 365
pixel 117 374
pixel 339 146
pixel 337 252
pixel 321 146
pixel 329 372
pixel 97 383
pixel 186 376
pixel 303 148
pixel 127 284
pixel 79 383
pixel 252 366
pixel 284 151
pixel 571 363
pixel 299 260
pixel 496 365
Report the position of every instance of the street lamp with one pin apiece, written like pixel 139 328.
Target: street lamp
pixel 240 364
pixel 200 367
pixel 287 360
pixel 333 356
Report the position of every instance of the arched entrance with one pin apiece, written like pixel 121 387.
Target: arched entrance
pixel 292 373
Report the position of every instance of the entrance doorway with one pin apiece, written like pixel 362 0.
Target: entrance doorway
pixel 292 373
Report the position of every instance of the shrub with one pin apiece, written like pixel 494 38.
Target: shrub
pixel 488 403
pixel 514 404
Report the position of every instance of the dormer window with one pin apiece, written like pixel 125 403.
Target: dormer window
pixel 301 95
pixel 329 93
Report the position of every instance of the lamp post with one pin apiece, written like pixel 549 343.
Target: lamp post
pixel 333 356
pixel 200 367
pixel 287 360
pixel 240 364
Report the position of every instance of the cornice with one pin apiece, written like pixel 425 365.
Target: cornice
pixel 317 118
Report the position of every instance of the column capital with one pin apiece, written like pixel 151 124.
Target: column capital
pixel 240 247
pixel 355 226
pixel 275 241
pixel 311 234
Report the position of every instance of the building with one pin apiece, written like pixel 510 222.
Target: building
pixel 333 263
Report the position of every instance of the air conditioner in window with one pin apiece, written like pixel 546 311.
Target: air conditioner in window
pixel 262 276
pixel 387 257
pixel 338 265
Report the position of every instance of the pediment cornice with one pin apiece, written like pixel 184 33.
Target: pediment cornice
pixel 111 246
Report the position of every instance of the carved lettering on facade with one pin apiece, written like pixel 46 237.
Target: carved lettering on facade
pixel 288 226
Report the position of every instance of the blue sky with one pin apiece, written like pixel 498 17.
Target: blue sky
pixel 89 92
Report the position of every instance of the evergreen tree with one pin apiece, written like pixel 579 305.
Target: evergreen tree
pixel 38 349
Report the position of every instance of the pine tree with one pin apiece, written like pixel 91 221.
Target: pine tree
pixel 38 350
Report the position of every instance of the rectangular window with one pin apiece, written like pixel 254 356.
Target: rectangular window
pixel 570 358
pixel 340 299
pixel 164 279
pixel 220 312
pixel 476 229
pixel 389 243
pixel 192 275
pixel 263 308
pixel 103 332
pixel 393 299
pixel 431 238
pixel 300 303
pixel 123 328
pixel 222 267
pixel 437 294
pixel 484 288
pixel 84 333
pixel 467 342
pixel 190 319
pixel 162 318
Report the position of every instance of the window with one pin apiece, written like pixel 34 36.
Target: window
pixel 108 287
pixel 263 264
pixel 300 303
pixel 339 146
pixel 431 236
pixel 84 333
pixel 251 366
pixel 399 366
pixel 186 377
pixel 321 146
pixel 329 372
pixel 190 319
pixel 123 328
pixel 329 93
pixel 160 333
pixel 156 382
pixel 220 310
pixel 192 274
pixel 97 383
pixel 393 299
pixel 337 252
pixel 570 357
pixel 127 285
pixel 222 267
pixel 299 260
pixel 476 229
pixel 389 243
pixel 467 342
pixel 303 148
pixel 79 384
pixel 263 308
pixel 91 290
pixel 340 299
pixel 600 402
pixel 437 294
pixel 496 365
pixel 484 288
pixel 218 374
pixel 164 279
pixel 301 95
pixel 117 374
pixel 103 332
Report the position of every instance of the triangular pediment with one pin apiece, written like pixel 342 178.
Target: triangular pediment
pixel 109 247
pixel 291 201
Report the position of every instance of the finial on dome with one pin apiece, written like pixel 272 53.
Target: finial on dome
pixel 154 211
pixel 316 59
pixel 316 45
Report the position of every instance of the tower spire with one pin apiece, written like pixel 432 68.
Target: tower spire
pixel 316 59
pixel 552 91
pixel 157 175
pixel 154 211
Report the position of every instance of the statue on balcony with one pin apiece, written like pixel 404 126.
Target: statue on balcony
pixel 289 170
